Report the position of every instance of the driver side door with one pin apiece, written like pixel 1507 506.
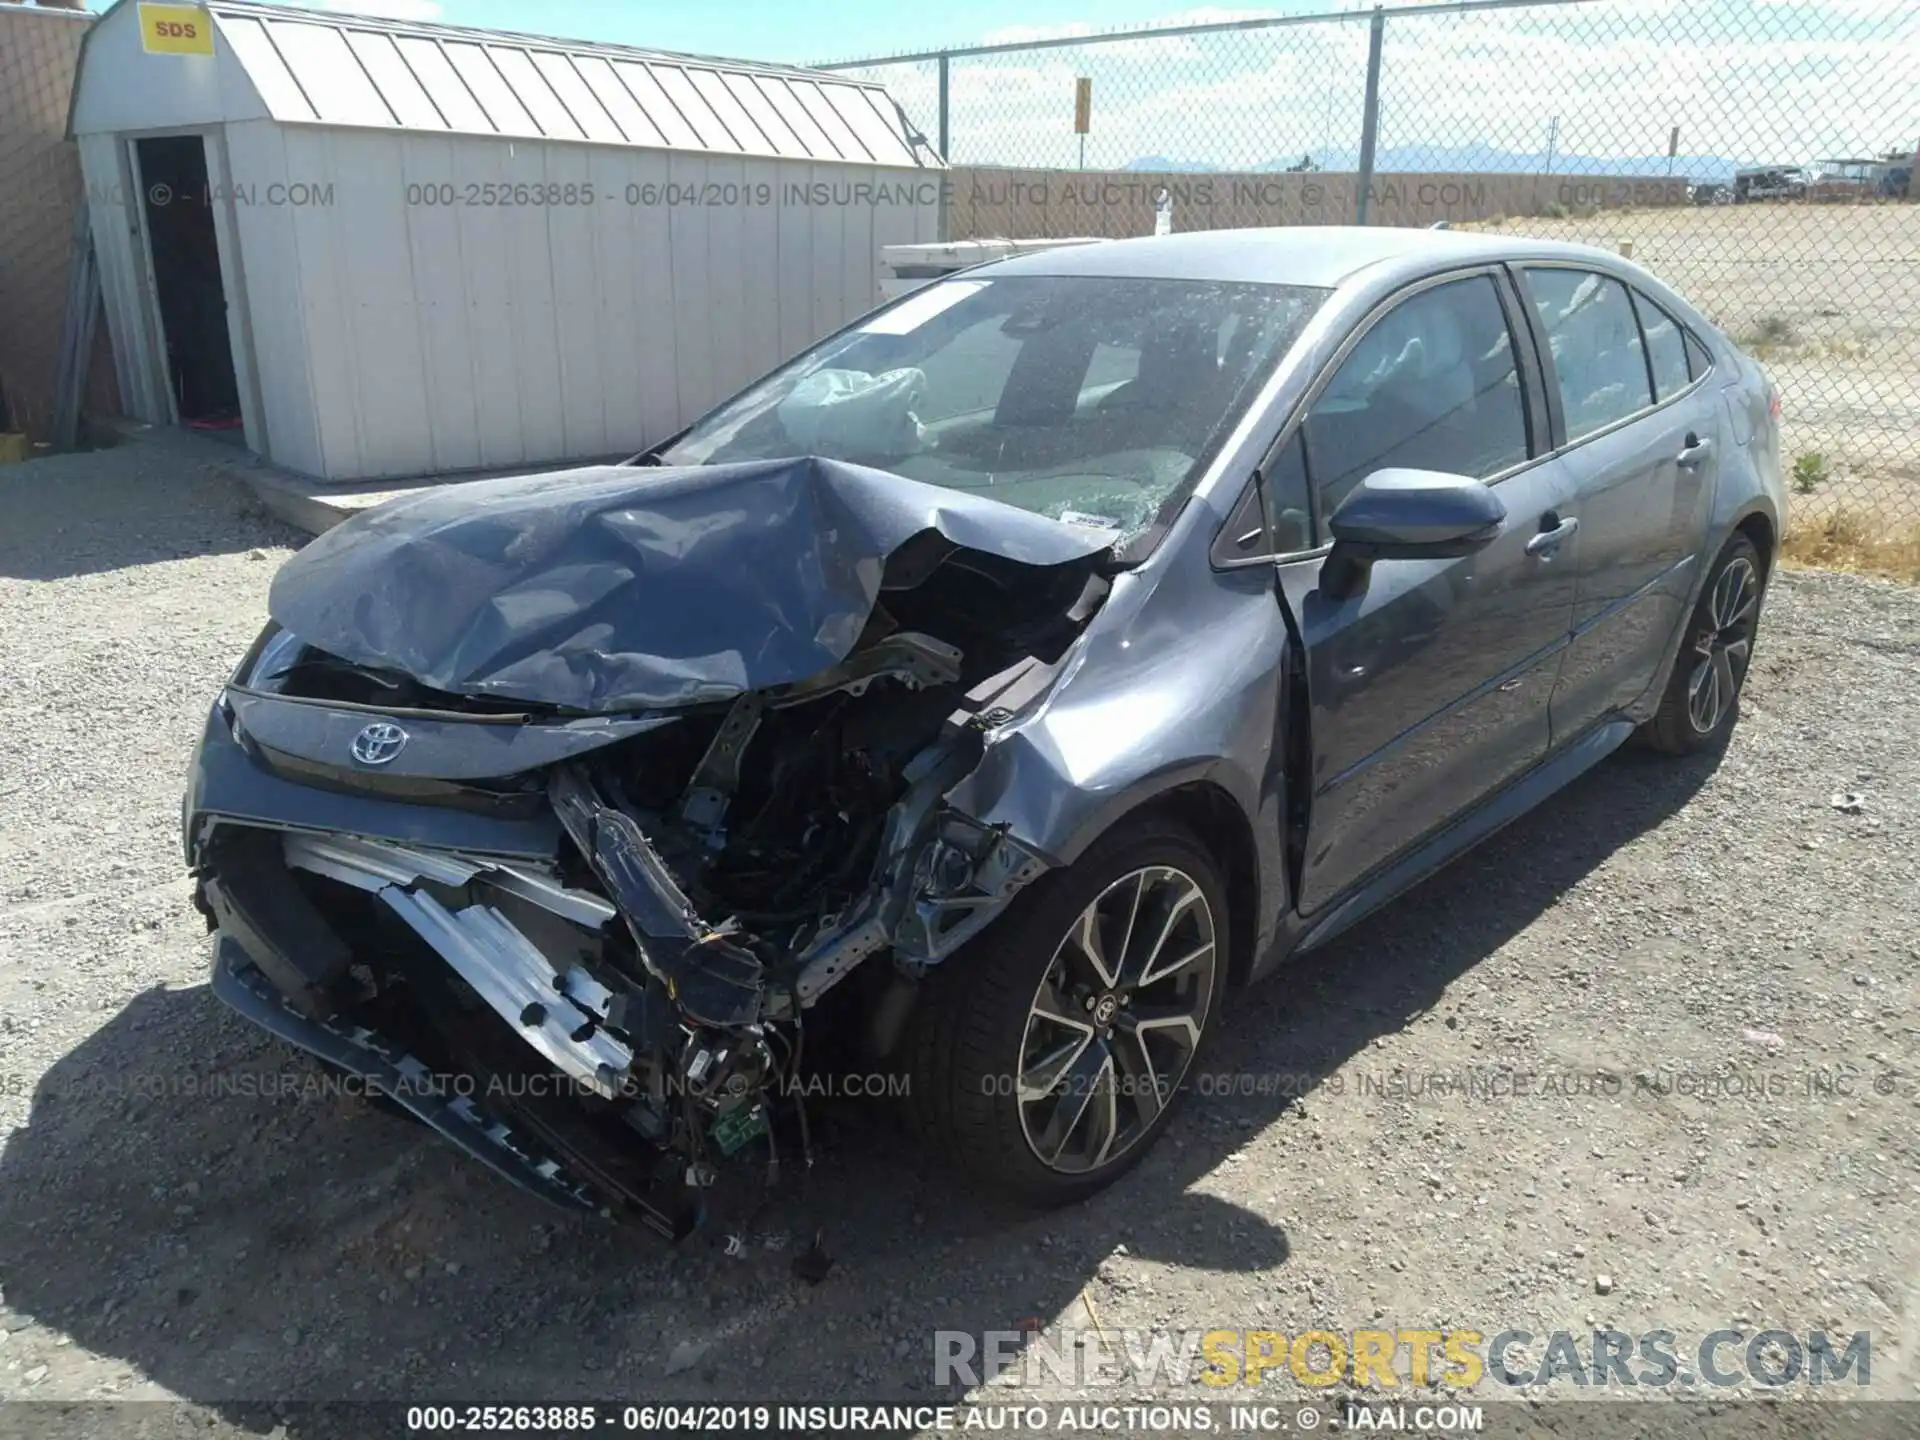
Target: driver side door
pixel 1428 686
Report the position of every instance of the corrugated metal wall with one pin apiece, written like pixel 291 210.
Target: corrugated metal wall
pixel 397 333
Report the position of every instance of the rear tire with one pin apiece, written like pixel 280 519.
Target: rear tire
pixel 1046 1056
pixel 1701 703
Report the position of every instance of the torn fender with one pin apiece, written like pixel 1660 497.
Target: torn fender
pixel 622 587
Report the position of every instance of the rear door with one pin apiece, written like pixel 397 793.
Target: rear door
pixel 1639 432
pixel 1430 687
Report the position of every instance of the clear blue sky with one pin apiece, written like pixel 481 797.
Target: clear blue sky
pixel 1789 79
pixel 792 30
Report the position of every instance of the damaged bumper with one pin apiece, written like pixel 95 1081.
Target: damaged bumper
pixel 281 964
pixel 592 1036
pixel 503 816
pixel 363 1055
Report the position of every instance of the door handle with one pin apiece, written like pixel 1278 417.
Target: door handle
pixel 1549 541
pixel 1693 452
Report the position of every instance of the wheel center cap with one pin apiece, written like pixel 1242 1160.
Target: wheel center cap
pixel 1104 1012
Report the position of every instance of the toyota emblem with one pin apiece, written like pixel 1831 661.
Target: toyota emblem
pixel 379 743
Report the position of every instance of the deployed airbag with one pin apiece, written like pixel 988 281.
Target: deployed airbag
pixel 619 587
pixel 860 414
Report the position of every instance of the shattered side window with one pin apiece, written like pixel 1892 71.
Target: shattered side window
pixel 1089 399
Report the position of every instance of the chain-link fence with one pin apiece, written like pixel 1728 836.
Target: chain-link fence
pixel 1757 154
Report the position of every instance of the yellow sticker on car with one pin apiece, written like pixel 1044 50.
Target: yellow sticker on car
pixel 176 30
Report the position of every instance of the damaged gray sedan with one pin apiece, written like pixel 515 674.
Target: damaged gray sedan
pixel 979 698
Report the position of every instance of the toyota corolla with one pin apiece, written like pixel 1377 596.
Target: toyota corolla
pixel 983 696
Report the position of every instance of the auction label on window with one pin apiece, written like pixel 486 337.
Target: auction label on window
pixel 176 30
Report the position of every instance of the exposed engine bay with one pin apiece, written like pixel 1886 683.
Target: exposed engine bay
pixel 616 1020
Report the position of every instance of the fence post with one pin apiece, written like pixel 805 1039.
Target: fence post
pixel 945 157
pixel 944 79
pixel 1370 119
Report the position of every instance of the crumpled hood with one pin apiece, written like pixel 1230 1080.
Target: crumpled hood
pixel 618 587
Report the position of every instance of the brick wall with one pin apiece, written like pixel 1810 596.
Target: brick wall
pixel 39 187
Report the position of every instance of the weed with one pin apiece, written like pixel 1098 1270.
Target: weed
pixel 1810 472
pixel 1770 332
pixel 1850 540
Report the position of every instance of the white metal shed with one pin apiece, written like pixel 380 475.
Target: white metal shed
pixel 418 248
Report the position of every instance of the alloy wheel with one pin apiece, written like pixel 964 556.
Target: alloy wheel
pixel 1723 645
pixel 1116 1019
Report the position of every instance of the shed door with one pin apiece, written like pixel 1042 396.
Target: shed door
pixel 177 205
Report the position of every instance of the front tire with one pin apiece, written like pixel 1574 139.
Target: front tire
pixel 1048 1053
pixel 1702 700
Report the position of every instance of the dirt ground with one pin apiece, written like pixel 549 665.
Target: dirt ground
pixel 184 1213
pixel 1828 298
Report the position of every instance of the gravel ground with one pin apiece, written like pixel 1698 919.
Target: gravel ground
pixel 172 1227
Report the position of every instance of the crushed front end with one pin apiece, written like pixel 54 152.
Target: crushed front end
pixel 596 947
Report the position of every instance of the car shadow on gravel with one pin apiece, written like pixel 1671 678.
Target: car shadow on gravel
pixel 190 1201
pixel 142 503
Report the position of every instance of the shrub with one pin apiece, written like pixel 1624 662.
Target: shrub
pixel 1810 472
pixel 1771 330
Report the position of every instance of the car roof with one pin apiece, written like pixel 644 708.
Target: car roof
pixel 1318 255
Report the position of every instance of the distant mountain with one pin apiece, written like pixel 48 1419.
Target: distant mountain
pixel 1160 162
pixel 1477 159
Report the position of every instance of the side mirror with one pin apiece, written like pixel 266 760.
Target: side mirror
pixel 1407 515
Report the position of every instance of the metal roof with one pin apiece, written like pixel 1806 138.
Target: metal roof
pixel 320 68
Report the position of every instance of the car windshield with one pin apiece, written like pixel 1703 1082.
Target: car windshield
pixel 1089 399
